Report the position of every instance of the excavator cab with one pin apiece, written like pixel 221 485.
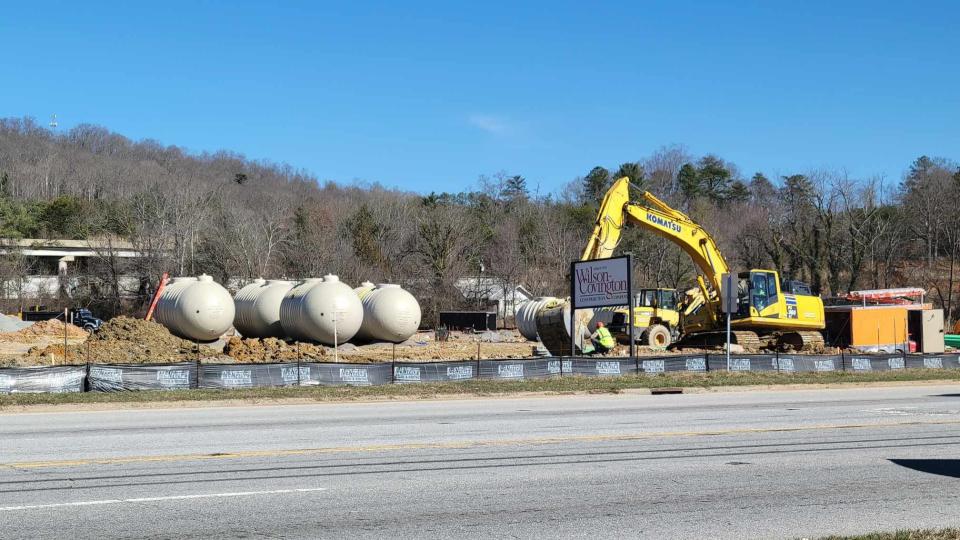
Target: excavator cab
pixel 763 301
pixel 758 294
pixel 657 299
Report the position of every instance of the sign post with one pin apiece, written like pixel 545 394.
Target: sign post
pixel 728 302
pixel 600 283
pixel 633 344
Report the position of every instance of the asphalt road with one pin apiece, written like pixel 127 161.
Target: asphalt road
pixel 733 465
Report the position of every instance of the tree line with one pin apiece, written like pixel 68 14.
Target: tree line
pixel 235 218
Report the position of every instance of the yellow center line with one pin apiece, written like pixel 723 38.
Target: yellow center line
pixel 455 445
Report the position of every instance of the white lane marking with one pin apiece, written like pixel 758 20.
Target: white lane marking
pixel 58 505
pixel 155 499
pixel 913 411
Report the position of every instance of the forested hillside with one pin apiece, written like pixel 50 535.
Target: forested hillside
pixel 232 217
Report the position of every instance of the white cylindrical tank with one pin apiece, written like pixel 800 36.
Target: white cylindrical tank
pixel 389 313
pixel 257 308
pixel 364 288
pixel 290 316
pixel 327 311
pixel 195 308
pixel 527 316
pixel 553 327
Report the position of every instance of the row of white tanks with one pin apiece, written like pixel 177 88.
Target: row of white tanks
pixel 324 310
pixel 195 308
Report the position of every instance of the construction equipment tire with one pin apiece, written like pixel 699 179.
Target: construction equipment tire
pixel 657 336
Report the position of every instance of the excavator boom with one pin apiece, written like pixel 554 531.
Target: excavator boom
pixel 657 217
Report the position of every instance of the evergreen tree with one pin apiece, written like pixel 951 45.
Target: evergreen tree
pixel 596 184
pixel 66 217
pixel 738 192
pixel 515 188
pixel 689 181
pixel 364 232
pixel 714 178
pixel 632 170
pixel 920 168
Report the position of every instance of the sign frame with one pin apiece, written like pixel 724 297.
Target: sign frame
pixel 629 301
pixel 625 259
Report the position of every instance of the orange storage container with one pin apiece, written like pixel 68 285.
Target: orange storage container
pixel 868 328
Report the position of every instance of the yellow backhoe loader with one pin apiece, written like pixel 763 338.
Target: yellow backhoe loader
pixel 656 320
pixel 770 313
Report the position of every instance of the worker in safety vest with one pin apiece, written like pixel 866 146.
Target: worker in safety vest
pixel 602 339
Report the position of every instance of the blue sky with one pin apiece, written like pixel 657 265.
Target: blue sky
pixel 430 95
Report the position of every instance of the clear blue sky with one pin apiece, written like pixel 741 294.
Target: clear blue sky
pixel 430 95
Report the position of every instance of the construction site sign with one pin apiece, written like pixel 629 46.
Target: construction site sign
pixel 600 283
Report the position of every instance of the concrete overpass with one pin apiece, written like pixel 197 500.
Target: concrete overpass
pixel 67 251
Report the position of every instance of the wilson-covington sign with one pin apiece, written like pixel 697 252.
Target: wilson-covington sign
pixel 601 282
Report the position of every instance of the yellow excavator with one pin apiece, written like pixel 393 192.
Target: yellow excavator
pixel 770 313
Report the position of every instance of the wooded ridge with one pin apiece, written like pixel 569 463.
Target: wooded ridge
pixel 231 217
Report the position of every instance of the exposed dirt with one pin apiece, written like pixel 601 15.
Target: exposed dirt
pixel 129 340
pixel 421 347
pixel 253 350
pixel 419 351
pixel 44 329
pixel 125 340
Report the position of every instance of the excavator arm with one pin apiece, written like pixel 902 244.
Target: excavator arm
pixel 656 216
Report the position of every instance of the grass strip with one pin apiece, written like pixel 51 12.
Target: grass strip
pixel 567 384
pixel 919 534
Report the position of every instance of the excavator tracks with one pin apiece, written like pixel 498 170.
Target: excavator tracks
pixel 750 341
pixel 801 341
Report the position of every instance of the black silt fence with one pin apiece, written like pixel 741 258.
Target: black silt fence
pixel 50 379
pixel 873 362
pixel 799 363
pixel 742 362
pixel 695 363
pixel 600 367
pixel 340 374
pixel 410 372
pixel 232 376
pixel 932 361
pixel 520 369
pixel 127 377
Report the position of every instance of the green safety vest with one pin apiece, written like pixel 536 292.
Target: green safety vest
pixel 605 338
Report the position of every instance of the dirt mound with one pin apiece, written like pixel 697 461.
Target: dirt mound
pixel 44 329
pixel 252 350
pixel 423 348
pixel 130 329
pixel 128 340
pixel 419 348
